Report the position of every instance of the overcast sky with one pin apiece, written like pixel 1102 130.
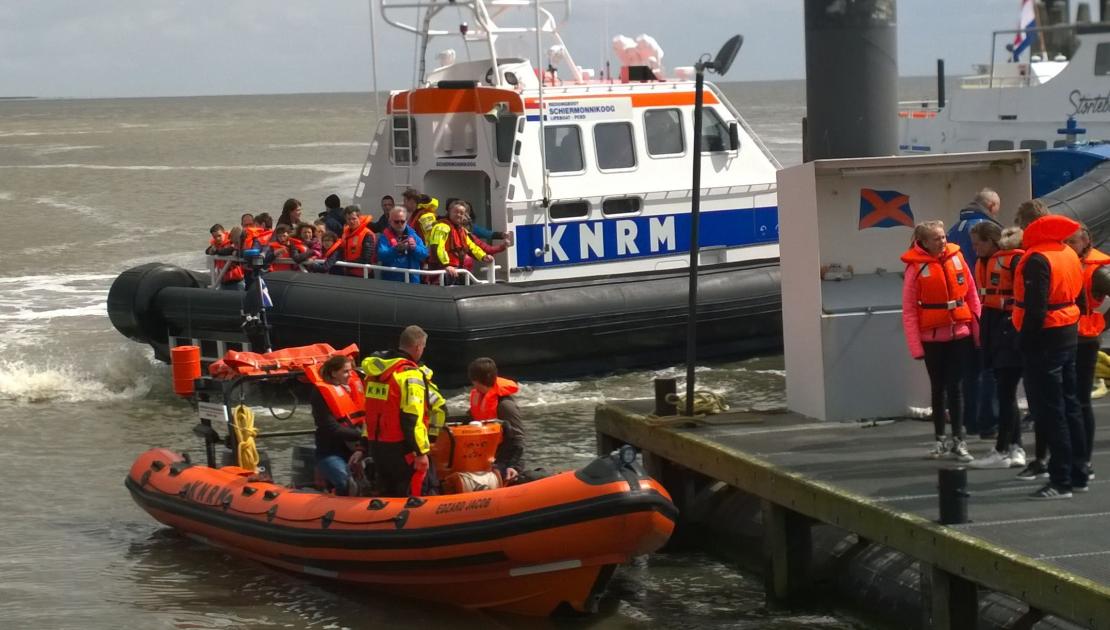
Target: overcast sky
pixel 81 48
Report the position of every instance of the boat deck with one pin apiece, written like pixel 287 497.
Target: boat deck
pixel 873 479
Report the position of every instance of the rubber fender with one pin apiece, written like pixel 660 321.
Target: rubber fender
pixel 131 298
pixel 1086 200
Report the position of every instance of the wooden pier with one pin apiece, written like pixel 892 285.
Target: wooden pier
pixel 872 479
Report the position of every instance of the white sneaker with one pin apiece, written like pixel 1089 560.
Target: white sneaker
pixel 993 460
pixel 938 450
pixel 960 453
pixel 1017 457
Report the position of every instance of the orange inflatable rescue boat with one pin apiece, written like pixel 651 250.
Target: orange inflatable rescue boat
pixel 533 548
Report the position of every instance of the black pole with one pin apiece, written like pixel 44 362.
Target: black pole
pixel 940 84
pixel 695 209
pixel 851 78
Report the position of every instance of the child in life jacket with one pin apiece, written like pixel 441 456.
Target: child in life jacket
pixel 940 318
pixel 230 272
pixel 998 254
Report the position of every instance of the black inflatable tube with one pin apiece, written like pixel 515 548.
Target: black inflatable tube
pixel 1086 200
pixel 548 329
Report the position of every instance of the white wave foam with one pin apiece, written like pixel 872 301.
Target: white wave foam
pixel 5 195
pixel 23 314
pixel 79 208
pixel 60 132
pixel 52 149
pixel 323 168
pixel 314 145
pixel 124 376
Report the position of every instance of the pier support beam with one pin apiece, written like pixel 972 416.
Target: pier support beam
pixel 955 604
pixel 788 546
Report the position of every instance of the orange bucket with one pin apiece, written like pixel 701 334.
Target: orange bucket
pixel 185 361
pixel 466 448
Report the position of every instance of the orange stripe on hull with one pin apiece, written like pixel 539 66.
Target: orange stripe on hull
pixel 444 101
pixel 654 99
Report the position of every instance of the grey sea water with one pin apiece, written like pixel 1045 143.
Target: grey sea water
pixel 89 188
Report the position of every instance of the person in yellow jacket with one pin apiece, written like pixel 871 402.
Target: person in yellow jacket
pixel 449 243
pixel 401 405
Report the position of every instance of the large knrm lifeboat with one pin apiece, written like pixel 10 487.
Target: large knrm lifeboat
pixel 588 170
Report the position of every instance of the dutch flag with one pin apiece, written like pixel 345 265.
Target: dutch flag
pixel 265 291
pixel 1022 40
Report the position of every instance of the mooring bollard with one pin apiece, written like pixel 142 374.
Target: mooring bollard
pixel 952 492
pixel 665 389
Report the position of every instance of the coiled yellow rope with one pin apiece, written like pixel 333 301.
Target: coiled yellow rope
pixel 243 421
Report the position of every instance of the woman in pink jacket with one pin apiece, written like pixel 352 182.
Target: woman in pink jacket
pixel 940 316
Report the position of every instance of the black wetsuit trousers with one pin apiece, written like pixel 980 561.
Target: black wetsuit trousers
pixel 392 472
pixel 1086 356
pixel 945 362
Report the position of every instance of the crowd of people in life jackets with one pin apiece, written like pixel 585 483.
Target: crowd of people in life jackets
pixel 986 307
pixel 410 236
pixel 391 415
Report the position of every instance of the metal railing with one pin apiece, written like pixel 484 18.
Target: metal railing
pixel 216 273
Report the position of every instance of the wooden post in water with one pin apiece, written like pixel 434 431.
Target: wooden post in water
pixel 788 546
pixel 955 601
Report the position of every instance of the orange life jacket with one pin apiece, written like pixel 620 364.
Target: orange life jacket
pixel 345 403
pixel 234 272
pixel 256 236
pixel 455 246
pixel 941 286
pixel 280 251
pixel 383 404
pixel 351 243
pixel 484 406
pixel 1045 236
pixel 1091 322
pixel 994 278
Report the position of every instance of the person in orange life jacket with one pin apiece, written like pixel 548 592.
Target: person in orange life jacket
pixel 1048 302
pixel 306 234
pixel 399 246
pixel 339 411
pixel 246 220
pixel 333 214
pixel 397 406
pixel 326 263
pixel 258 235
pixel 449 243
pixel 940 318
pixel 1096 286
pixel 357 244
pixel 298 251
pixel 980 405
pixel 221 244
pixel 383 221
pixel 290 213
pixel 492 398
pixel 998 254
pixel 278 254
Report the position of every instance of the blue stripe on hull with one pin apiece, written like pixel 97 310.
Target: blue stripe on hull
pixel 643 236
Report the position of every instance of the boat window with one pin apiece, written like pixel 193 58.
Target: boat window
pixel 1102 60
pixel 570 210
pixel 504 130
pixel 620 205
pixel 1033 145
pixel 404 140
pixel 714 132
pixel 1056 144
pixel 1000 145
pixel 663 129
pixel 613 143
pixel 563 148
